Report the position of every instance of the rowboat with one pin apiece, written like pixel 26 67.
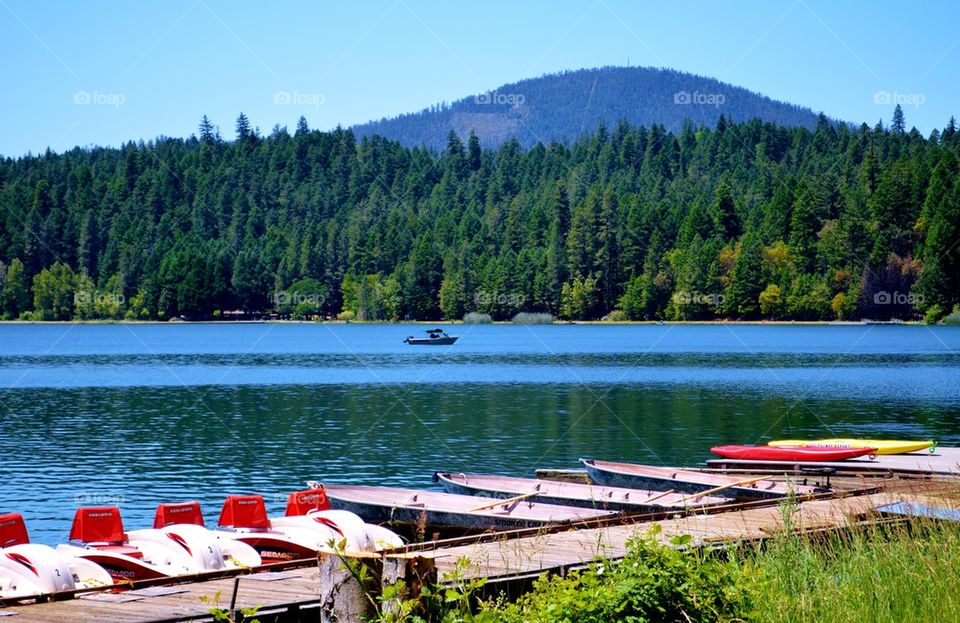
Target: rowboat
pixel 389 505
pixel 688 481
pixel 435 337
pixel 883 446
pixel 791 453
pixel 570 493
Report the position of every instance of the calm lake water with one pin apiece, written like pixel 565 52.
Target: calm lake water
pixel 137 414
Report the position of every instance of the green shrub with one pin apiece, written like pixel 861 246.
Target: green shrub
pixel 532 318
pixel 933 315
pixel 654 582
pixel 617 315
pixel 953 318
pixel 477 318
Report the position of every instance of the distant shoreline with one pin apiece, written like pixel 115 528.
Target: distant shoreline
pixel 825 323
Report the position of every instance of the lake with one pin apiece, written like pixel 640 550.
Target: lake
pixel 136 414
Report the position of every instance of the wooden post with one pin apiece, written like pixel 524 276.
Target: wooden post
pixel 234 613
pixel 341 597
pixel 414 571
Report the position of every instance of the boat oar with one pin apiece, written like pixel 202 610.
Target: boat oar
pixel 740 483
pixel 504 502
pixel 658 496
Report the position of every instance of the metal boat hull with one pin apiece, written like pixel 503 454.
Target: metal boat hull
pixel 580 495
pixel 624 475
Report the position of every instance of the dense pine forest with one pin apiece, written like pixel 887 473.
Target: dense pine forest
pixel 745 220
pixel 562 106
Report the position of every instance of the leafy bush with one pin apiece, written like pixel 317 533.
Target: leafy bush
pixel 654 582
pixel 933 315
pixel 953 318
pixel 617 315
pixel 477 318
pixel 531 318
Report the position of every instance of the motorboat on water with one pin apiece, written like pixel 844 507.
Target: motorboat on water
pixel 435 337
pixel 309 527
pixel 98 535
pixel 30 569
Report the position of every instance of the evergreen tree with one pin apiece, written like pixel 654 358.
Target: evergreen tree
pixel 473 151
pixel 742 297
pixel 207 131
pixel 244 132
pixel 898 124
pixel 608 251
pixel 302 127
pixel 723 213
pixel 15 294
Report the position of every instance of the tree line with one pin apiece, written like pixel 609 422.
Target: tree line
pixel 743 220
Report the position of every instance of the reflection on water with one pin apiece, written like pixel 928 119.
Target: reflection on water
pixel 143 414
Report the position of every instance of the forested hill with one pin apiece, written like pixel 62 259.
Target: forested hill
pixel 563 106
pixel 745 220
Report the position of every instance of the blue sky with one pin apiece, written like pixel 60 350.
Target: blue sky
pixel 84 73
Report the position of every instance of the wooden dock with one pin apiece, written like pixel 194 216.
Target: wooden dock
pixel 322 590
pixel 313 590
pixel 517 558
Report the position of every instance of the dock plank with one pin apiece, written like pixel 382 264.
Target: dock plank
pixel 521 556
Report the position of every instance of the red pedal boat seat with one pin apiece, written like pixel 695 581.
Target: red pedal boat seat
pixel 13 531
pixel 101 527
pixel 179 513
pixel 98 524
pixel 302 502
pixel 244 511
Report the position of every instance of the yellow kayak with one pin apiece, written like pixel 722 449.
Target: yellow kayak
pixel 883 446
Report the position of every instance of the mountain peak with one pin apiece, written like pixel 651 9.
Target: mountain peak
pixel 562 106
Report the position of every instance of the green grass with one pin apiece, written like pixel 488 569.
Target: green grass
pixel 875 574
pixel 879 573
pixel 872 574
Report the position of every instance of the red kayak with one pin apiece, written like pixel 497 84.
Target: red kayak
pixel 795 453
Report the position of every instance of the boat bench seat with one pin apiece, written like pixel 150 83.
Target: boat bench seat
pixel 117 548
